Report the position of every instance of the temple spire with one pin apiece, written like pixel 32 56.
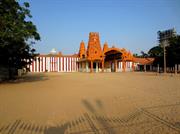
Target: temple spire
pixel 105 47
pixel 82 50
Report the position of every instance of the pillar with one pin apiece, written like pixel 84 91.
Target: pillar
pixel 176 68
pixel 77 66
pixel 115 65
pixel 80 66
pixel 158 68
pixel 132 66
pixel 103 65
pixel 145 68
pixel 91 70
pixel 87 66
pixel 96 66
pixel 124 65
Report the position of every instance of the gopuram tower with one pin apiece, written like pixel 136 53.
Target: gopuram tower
pixel 94 51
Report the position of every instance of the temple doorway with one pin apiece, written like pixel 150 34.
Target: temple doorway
pixel 112 58
pixel 94 65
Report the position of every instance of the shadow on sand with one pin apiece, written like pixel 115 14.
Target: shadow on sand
pixel 20 127
pixel 95 121
pixel 29 77
pixel 95 111
pixel 57 129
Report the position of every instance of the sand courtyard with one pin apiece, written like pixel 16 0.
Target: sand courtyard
pixel 97 103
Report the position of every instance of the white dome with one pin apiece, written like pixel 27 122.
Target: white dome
pixel 53 51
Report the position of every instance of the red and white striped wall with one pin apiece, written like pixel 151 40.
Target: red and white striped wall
pixel 54 64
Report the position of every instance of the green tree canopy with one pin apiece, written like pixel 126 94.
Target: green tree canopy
pixel 157 53
pixel 17 34
pixel 172 52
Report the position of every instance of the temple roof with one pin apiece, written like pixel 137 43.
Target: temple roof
pixel 144 61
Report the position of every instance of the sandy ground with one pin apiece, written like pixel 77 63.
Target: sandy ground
pixel 97 103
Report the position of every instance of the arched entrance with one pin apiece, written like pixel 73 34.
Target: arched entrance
pixel 111 59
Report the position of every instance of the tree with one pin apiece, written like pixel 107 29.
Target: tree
pixel 157 53
pixel 144 55
pixel 135 55
pixel 17 34
pixel 173 51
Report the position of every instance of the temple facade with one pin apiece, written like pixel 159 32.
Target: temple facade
pixel 106 59
pixel 90 58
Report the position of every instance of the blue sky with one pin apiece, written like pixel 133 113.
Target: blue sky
pixel 130 24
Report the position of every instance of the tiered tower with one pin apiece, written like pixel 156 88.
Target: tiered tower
pixel 82 50
pixel 94 51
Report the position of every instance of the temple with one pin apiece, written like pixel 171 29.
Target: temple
pixel 108 59
pixel 92 58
